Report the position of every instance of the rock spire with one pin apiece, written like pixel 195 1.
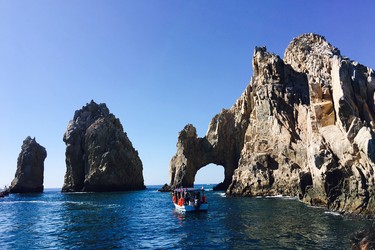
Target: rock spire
pixel 30 168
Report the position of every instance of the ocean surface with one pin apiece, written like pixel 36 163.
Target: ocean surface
pixel 147 220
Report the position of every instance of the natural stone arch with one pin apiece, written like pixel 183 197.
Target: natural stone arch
pixel 221 146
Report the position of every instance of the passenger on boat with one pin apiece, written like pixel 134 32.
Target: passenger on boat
pixel 204 199
pixel 187 198
pixel 191 202
pixel 198 196
pixel 181 201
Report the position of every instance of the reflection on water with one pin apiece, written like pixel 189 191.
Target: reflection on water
pixel 147 220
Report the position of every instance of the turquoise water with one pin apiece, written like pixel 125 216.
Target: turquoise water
pixel 147 220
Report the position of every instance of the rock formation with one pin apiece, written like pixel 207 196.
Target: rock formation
pixel 30 168
pixel 165 188
pixel 364 239
pixel 99 155
pixel 303 127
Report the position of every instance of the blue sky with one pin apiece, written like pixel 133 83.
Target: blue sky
pixel 158 65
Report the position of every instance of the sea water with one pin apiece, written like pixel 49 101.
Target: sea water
pixel 147 220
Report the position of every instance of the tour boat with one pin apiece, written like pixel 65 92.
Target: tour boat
pixel 189 200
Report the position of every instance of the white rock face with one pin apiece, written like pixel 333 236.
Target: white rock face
pixel 303 127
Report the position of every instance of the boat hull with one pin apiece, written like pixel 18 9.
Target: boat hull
pixel 187 208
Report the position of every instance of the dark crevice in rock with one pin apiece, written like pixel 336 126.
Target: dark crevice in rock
pixel 366 194
pixel 334 180
pixel 305 181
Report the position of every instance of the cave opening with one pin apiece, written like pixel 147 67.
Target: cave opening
pixel 305 181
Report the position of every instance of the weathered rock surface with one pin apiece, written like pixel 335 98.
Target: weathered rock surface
pixel 99 155
pixel 30 168
pixel 303 127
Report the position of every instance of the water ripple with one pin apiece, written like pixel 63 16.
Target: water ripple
pixel 147 220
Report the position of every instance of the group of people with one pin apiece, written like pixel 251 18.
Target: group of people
pixel 192 198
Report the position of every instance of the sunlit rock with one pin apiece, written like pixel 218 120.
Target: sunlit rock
pixel 303 127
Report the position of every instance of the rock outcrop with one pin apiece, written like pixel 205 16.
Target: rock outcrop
pixel 99 155
pixel 303 127
pixel 364 239
pixel 165 188
pixel 30 168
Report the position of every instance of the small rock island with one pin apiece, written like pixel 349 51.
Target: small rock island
pixel 99 154
pixel 30 168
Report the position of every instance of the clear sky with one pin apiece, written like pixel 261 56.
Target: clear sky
pixel 158 65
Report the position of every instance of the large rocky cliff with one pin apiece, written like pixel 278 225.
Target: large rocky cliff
pixel 30 168
pixel 99 155
pixel 303 127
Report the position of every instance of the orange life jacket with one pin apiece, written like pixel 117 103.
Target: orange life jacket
pixel 181 201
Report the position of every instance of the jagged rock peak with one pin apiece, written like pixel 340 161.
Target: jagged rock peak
pixel 99 155
pixel 268 67
pixel 91 111
pixel 311 43
pixel 305 50
pixel 30 168
pixel 189 131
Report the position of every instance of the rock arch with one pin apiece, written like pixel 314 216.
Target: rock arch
pixel 222 145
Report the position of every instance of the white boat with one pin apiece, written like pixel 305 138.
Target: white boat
pixel 189 200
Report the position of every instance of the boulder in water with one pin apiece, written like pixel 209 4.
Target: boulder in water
pixel 165 188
